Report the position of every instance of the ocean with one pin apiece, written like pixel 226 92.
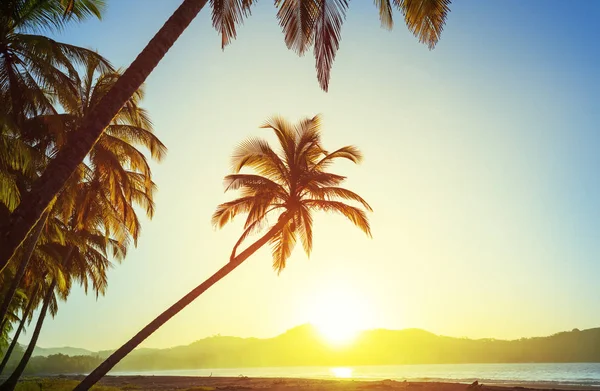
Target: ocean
pixel 567 374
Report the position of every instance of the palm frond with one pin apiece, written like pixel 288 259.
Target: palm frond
pixel 226 14
pixel 257 154
pixel 328 26
pixel 355 215
pixel 83 9
pixel 140 136
pixel 331 193
pixel 282 245
pixel 256 183
pixel 285 134
pixel 228 210
pixel 304 225
pixel 425 18
pixel 385 13
pixel 349 152
pixel 297 20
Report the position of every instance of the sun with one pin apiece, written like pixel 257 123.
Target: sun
pixel 339 316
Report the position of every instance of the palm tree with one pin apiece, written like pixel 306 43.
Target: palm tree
pixel 84 261
pixel 33 68
pixel 116 166
pixel 27 252
pixel 31 65
pixel 49 299
pixel 15 160
pixel 304 22
pixel 27 312
pixel 117 169
pixel 287 187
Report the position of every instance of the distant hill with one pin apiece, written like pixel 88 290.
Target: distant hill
pixel 38 351
pixel 303 345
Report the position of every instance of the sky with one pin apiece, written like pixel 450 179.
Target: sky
pixel 480 163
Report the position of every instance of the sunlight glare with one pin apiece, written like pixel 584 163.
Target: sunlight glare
pixel 339 316
pixel 341 373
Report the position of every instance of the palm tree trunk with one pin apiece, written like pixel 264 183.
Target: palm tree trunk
pixel 11 382
pixel 151 327
pixel 15 338
pixel 33 204
pixel 31 243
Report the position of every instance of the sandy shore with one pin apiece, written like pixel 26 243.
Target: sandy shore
pixel 163 383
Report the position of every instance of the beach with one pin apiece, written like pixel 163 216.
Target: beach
pixel 192 383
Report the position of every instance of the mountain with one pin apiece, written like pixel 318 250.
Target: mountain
pixel 303 346
pixel 69 351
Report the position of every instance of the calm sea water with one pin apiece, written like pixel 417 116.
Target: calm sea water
pixel 587 374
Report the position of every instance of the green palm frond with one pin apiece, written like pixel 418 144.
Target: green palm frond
pixel 83 9
pixel 41 15
pixel 139 136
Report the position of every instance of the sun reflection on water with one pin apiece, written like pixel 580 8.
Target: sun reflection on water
pixel 341 373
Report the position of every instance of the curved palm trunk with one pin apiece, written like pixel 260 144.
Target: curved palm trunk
pixel 13 343
pixel 31 243
pixel 33 204
pixel 11 382
pixel 151 327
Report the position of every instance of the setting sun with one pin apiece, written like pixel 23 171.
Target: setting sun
pixel 339 316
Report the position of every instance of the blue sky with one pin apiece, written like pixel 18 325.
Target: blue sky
pixel 481 164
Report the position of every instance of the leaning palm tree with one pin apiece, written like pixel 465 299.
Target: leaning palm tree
pixel 285 188
pixel 116 176
pixel 33 68
pixel 26 315
pixel 83 259
pixel 53 282
pixel 304 22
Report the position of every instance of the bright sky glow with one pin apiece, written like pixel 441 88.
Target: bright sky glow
pixel 481 163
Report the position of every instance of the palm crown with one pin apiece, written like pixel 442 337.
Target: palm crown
pixel 290 184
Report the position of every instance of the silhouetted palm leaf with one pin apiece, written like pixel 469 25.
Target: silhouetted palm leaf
pixel 328 33
pixel 297 19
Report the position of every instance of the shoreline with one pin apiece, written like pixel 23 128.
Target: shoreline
pixel 165 383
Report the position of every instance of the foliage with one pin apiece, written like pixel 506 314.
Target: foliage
pixel 61 364
pixel 318 24
pixel 46 89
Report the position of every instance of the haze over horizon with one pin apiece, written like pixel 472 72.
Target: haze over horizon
pixel 481 164
pixel 317 334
